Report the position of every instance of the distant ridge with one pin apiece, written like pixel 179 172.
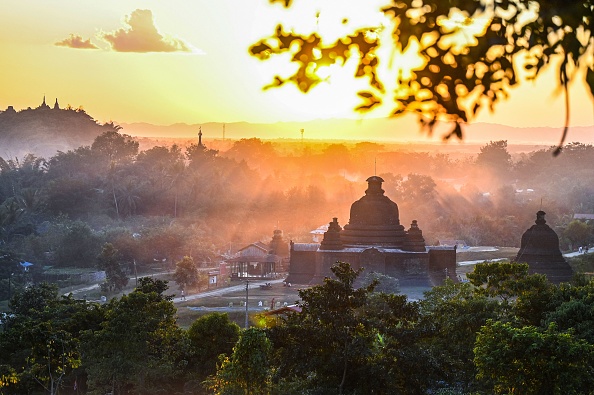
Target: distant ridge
pixel 45 130
pixel 375 129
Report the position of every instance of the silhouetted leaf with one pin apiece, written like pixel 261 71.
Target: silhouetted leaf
pixel 590 80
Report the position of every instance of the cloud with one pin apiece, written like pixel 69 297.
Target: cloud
pixel 143 36
pixel 76 41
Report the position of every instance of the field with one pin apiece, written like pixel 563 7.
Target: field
pixel 233 303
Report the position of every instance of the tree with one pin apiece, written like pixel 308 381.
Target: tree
pixel 532 361
pixel 384 283
pixel 186 273
pixel 247 370
pixel 469 50
pixel 498 279
pixel 110 260
pixel 358 341
pixel 40 340
pixel 495 156
pixel 10 273
pixel 418 188
pixel 452 314
pixel 137 349
pixel 115 147
pixel 77 246
pixel 578 233
pixel 210 336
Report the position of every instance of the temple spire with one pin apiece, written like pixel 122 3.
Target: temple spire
pixel 44 104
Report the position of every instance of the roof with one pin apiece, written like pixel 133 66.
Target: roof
pixel 257 244
pixel 253 258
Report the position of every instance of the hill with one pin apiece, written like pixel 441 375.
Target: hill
pixel 43 131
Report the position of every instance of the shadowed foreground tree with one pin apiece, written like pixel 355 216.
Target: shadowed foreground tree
pixel 470 50
pixel 533 361
pixel 358 341
pixel 210 336
pixel 247 370
pixel 138 347
pixel 40 339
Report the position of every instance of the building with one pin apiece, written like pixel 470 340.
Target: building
pixel 259 260
pixel 540 250
pixel 374 240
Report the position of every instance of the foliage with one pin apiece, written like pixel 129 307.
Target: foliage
pixel 529 360
pixel 40 341
pixel 578 232
pixel 115 147
pixel 495 156
pixel 498 279
pixel 186 273
pixel 470 52
pixel 247 370
pixel 111 261
pixel 452 315
pixel 138 346
pixel 78 245
pixel 356 340
pixel 383 282
pixel 210 336
pixel 11 275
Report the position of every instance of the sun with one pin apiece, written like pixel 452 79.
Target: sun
pixel 335 87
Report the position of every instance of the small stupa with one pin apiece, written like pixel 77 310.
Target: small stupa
pixel 540 250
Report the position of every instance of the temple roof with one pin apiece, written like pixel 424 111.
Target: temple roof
pixel 374 219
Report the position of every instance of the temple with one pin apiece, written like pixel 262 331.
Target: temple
pixel 540 249
pixel 374 240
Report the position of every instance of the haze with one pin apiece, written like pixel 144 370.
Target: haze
pixel 172 62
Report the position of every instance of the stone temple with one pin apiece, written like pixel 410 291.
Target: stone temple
pixel 374 240
pixel 540 249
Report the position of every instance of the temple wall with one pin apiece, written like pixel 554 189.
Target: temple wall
pixel 326 259
pixel 441 259
pixel 302 267
pixel 409 268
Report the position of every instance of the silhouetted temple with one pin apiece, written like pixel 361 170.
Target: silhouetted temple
pixel 375 240
pixel 540 249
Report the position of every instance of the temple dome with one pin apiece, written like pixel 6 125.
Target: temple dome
pixel 540 240
pixel 540 249
pixel 374 219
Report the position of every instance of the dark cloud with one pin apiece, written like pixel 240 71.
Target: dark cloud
pixel 143 36
pixel 76 41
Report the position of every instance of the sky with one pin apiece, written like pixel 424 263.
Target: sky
pixel 187 61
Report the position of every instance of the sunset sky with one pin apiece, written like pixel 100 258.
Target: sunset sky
pixel 187 61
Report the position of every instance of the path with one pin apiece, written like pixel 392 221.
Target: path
pixel 222 291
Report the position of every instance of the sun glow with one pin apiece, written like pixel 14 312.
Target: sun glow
pixel 125 84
